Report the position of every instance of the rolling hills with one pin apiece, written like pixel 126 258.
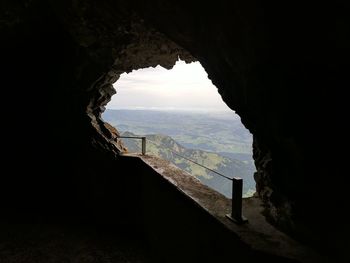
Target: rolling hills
pixel 167 148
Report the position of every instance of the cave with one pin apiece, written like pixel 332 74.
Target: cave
pixel 282 67
pixel 184 121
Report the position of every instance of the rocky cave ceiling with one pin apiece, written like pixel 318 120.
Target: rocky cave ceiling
pixel 278 66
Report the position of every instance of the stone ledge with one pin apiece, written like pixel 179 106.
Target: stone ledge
pixel 257 234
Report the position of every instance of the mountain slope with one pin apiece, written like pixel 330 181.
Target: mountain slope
pixel 165 147
pixel 213 132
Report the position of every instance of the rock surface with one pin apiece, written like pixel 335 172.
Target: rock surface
pixel 282 68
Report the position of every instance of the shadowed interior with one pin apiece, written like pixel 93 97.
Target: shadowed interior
pixel 282 68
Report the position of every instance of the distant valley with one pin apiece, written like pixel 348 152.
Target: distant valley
pixel 218 141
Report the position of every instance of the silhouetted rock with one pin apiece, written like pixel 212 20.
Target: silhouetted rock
pixel 282 67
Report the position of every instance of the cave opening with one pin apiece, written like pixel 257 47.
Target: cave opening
pixel 279 66
pixel 186 122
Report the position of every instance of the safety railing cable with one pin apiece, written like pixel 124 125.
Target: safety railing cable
pixel 143 142
pixel 237 183
pixel 190 160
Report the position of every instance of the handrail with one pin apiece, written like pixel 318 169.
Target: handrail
pixel 143 139
pixel 131 137
pixel 237 182
pixel 201 165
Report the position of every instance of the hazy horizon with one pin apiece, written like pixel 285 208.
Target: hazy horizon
pixel 185 87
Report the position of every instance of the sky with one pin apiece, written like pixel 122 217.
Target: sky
pixel 184 87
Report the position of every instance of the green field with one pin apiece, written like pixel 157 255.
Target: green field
pixel 219 142
pixel 210 132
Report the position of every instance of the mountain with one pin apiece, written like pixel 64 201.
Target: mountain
pixel 215 132
pixel 167 148
pixel 221 141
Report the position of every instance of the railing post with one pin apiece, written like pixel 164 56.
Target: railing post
pixel 143 145
pixel 236 212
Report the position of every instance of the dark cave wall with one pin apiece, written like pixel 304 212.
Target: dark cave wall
pixel 34 55
pixel 282 67
pixel 52 161
pixel 60 60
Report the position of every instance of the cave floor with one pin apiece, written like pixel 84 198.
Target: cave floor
pixel 42 243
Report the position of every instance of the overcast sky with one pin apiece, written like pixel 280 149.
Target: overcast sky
pixel 185 87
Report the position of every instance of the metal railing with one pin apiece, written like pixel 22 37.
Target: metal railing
pixel 237 182
pixel 236 209
pixel 143 142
